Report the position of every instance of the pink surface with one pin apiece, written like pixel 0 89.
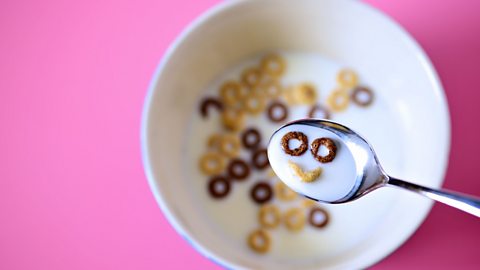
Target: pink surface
pixel 73 77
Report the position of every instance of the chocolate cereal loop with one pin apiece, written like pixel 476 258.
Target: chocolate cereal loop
pixel 273 110
pixel 218 187
pixel 329 144
pixel 238 169
pixel 360 91
pixel 208 103
pixel 297 136
pixel 260 159
pixel 251 138
pixel 315 221
pixel 316 109
pixel 261 192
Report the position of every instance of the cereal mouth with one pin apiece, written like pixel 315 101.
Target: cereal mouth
pixel 305 176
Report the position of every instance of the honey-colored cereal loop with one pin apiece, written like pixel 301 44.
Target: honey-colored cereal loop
pixel 347 78
pixel 233 119
pixel 261 192
pixel 318 222
pixel 338 100
pixel 316 109
pixel 251 138
pixel 308 203
pixel 212 163
pixel 288 96
pixel 269 216
pixel 273 65
pixel 284 193
pixel 305 93
pixel 218 187
pixel 272 89
pixel 260 159
pixel 230 145
pixel 294 219
pixel 329 144
pixel 230 92
pixel 238 169
pixel 214 141
pixel 277 112
pixel 297 136
pixel 362 96
pixel 254 104
pixel 251 77
pixel 259 241
pixel 210 102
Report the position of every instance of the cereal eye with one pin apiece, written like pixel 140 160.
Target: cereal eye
pixel 317 149
pixel 299 136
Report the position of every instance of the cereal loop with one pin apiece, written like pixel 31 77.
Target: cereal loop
pixel 238 169
pixel 230 92
pixel 218 187
pixel 338 100
pixel 294 219
pixel 273 89
pixel 260 159
pixel 251 77
pixel 259 241
pixel 269 216
pixel 308 203
pixel 230 145
pixel 315 221
pixel 297 136
pixel 212 163
pixel 209 103
pixel 329 144
pixel 214 141
pixel 316 109
pixel 347 78
pixel 305 93
pixel 233 120
pixel 254 104
pixel 284 193
pixel 261 192
pixel 362 96
pixel 289 97
pixel 273 65
pixel 277 112
pixel 251 138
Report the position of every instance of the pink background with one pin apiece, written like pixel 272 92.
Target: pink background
pixel 73 77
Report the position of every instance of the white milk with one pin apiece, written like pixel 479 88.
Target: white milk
pixel 235 216
pixel 338 176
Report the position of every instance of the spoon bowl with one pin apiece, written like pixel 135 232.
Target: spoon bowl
pixel 369 174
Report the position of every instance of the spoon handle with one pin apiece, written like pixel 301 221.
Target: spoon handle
pixel 460 201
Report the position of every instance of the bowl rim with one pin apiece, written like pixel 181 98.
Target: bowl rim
pixel 165 59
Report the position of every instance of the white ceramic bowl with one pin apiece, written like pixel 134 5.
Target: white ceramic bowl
pixel 347 31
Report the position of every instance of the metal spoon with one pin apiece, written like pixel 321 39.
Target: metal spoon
pixel 372 176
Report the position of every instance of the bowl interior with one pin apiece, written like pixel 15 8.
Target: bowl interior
pixel 347 31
